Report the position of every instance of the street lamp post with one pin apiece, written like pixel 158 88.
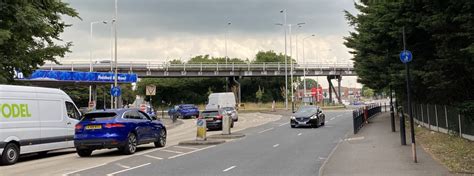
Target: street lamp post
pixel 286 60
pixel 304 67
pixel 226 31
pixel 115 53
pixel 90 55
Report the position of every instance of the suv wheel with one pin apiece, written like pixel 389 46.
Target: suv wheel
pixel 131 145
pixel 10 154
pixel 161 139
pixel 84 152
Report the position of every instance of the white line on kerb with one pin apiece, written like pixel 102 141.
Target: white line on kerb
pixel 276 145
pixel 154 157
pixel 191 152
pixel 266 130
pixel 299 134
pixel 66 174
pixel 228 169
pixel 190 148
pixel 172 151
pixel 128 169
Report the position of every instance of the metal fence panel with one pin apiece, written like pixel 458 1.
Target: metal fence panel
pixel 467 125
pixel 453 123
pixel 441 116
pixel 432 115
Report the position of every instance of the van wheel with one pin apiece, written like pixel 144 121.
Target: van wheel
pixel 10 154
pixel 84 152
pixel 232 124
pixel 161 139
pixel 131 145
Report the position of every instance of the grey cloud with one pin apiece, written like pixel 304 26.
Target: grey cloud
pixel 150 18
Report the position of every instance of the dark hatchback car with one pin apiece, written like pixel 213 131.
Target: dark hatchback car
pixel 184 111
pixel 124 129
pixel 308 116
pixel 214 119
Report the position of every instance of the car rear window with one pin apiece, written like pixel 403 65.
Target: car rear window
pixel 100 115
pixel 209 114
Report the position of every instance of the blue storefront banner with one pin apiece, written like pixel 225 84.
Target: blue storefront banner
pixel 75 76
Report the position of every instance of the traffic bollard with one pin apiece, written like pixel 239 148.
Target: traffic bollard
pixel 226 122
pixel 201 129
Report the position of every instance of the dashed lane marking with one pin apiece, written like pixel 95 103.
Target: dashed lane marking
pixel 266 130
pixel 276 145
pixel 172 151
pixel 154 157
pixel 125 170
pixel 191 152
pixel 228 169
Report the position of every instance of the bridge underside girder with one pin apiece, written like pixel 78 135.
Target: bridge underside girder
pixel 331 87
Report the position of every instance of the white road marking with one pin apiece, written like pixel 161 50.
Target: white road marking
pixel 121 165
pixel 322 158
pixel 339 115
pixel 354 138
pixel 326 121
pixel 228 169
pixel 266 130
pixel 299 134
pixel 191 152
pixel 172 151
pixel 284 124
pixel 276 145
pixel 332 118
pixel 190 148
pixel 80 170
pixel 154 157
pixel 125 170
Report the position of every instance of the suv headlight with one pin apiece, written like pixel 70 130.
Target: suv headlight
pixel 314 117
pixel 293 117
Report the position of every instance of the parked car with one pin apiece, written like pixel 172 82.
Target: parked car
pixel 308 116
pixel 124 129
pixel 214 119
pixel 233 113
pixel 34 120
pixel 184 111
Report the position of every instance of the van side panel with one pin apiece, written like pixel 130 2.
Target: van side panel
pixel 52 122
pixel 19 119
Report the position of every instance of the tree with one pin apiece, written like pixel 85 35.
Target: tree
pixel 29 35
pixel 440 35
pixel 367 92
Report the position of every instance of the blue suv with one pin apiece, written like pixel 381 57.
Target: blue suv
pixel 124 129
pixel 183 111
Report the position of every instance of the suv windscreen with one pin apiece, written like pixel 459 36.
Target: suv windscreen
pixel 99 116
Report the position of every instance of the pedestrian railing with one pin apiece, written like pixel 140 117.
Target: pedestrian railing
pixel 362 115
pixel 442 118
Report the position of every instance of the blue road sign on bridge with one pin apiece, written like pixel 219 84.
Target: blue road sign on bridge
pixel 115 91
pixel 406 56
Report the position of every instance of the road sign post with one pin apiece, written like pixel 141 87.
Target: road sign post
pixel 201 129
pixel 150 91
pixel 406 57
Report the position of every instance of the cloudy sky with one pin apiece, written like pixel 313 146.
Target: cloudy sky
pixel 157 30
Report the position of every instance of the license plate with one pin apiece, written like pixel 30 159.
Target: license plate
pixel 302 123
pixel 93 127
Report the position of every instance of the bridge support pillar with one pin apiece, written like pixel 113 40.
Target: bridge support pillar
pixel 94 96
pixel 331 87
pixel 237 89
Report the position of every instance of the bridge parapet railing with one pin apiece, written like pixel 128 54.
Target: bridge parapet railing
pixel 83 65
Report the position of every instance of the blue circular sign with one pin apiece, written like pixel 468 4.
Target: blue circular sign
pixel 200 122
pixel 406 56
pixel 115 91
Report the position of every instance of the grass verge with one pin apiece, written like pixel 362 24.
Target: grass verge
pixel 456 153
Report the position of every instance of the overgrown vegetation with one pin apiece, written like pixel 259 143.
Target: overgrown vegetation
pixel 440 35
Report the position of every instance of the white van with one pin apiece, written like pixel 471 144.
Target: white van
pixel 221 100
pixel 34 119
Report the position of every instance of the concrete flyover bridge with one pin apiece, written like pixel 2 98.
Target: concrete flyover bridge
pixel 164 70
pixel 231 71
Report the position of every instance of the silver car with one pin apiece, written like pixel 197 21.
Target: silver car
pixel 233 112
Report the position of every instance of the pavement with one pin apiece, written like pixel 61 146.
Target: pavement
pixel 376 150
pixel 271 148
